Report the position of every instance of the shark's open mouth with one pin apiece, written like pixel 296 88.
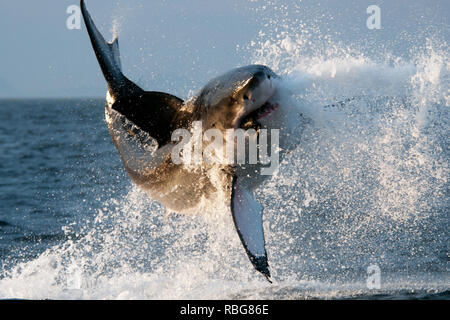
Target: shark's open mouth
pixel 266 109
pixel 251 120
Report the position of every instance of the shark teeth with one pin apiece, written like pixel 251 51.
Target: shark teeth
pixel 266 109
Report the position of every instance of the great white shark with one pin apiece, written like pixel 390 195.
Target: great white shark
pixel 141 124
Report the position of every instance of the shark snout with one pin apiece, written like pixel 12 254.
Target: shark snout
pixel 260 93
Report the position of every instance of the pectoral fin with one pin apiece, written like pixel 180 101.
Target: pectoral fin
pixel 247 216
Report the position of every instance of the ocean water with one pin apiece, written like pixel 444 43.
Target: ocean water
pixel 366 186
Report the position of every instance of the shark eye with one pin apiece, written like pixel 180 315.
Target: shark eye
pixel 245 97
pixel 268 76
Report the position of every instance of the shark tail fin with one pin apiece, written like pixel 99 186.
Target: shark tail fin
pixel 108 57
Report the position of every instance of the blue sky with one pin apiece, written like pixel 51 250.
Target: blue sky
pixel 175 46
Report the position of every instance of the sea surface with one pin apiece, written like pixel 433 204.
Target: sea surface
pixel 73 226
pixel 359 210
